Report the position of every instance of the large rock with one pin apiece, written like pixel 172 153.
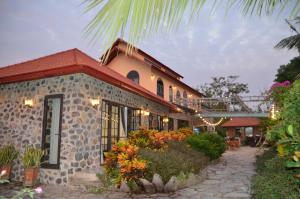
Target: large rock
pixel 158 183
pixel 148 186
pixel 172 185
pixel 124 187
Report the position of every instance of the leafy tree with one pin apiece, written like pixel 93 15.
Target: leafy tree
pixel 288 71
pixel 222 87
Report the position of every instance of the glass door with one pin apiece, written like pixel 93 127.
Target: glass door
pixel 110 130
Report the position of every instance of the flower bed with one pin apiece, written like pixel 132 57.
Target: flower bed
pixel 165 158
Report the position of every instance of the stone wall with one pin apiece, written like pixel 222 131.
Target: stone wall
pixel 81 123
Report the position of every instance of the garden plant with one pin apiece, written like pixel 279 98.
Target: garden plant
pixel 167 153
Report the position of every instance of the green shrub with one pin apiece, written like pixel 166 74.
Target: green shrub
pixel 272 179
pixel 8 154
pixel 178 158
pixel 211 145
pixel 32 157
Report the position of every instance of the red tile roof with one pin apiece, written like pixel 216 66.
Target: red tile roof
pixel 242 122
pixel 70 62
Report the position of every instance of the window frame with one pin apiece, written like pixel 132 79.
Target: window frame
pixel 47 97
pixel 171 94
pixel 110 103
pixel 134 72
pixel 160 87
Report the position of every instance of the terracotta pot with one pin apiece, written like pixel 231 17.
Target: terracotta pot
pixel 8 169
pixel 31 176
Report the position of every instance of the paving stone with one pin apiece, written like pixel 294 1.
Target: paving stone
pixel 227 179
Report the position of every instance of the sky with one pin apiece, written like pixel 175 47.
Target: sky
pixel 213 45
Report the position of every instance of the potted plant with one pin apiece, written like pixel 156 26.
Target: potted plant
pixel 32 161
pixel 8 154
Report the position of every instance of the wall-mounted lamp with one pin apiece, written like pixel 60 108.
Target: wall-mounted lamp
pixel 28 102
pixel 174 87
pixel 145 113
pixel 165 119
pixel 95 102
pixel 190 95
pixel 152 77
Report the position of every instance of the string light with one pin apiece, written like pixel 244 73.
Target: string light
pixel 212 124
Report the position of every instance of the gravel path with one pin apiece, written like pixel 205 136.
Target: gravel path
pixel 229 179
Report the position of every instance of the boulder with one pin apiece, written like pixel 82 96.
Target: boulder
pixel 172 185
pixel 158 183
pixel 124 187
pixel 148 186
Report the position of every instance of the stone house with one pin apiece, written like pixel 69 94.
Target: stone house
pixel 75 107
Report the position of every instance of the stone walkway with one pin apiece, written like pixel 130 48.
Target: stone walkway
pixel 228 179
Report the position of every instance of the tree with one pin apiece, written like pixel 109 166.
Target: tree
pixel 292 42
pixel 222 87
pixel 288 71
pixel 136 19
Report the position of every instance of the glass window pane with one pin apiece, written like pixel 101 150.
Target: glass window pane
pixel 51 129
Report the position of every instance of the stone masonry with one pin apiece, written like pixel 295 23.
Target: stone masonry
pixel 81 122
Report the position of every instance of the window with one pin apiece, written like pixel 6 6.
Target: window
pixel 110 115
pixel 178 96
pixel 52 130
pixel 170 93
pixel 185 100
pixel 171 124
pixel 134 119
pixel 117 121
pixel 182 124
pixel 160 88
pixel 134 76
pixel 155 122
pixel 249 131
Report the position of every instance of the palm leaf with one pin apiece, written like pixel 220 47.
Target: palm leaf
pixel 289 42
pixel 138 19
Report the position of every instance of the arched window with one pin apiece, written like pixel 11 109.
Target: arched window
pixel 160 88
pixel 170 93
pixel 185 101
pixel 134 76
pixel 178 97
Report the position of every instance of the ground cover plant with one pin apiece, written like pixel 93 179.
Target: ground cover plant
pixel 273 180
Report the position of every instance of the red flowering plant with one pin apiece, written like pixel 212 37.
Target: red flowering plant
pixel 278 92
pixel 123 163
pixel 153 139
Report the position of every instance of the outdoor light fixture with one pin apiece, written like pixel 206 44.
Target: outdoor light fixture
pixel 174 87
pixel 190 95
pixel 145 113
pixel 28 102
pixel 152 77
pixel 273 112
pixel 95 102
pixel 166 120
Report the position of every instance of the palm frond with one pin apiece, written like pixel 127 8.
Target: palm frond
pixel 137 19
pixel 289 42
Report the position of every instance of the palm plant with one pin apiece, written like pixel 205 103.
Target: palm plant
pixel 137 19
pixel 293 41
